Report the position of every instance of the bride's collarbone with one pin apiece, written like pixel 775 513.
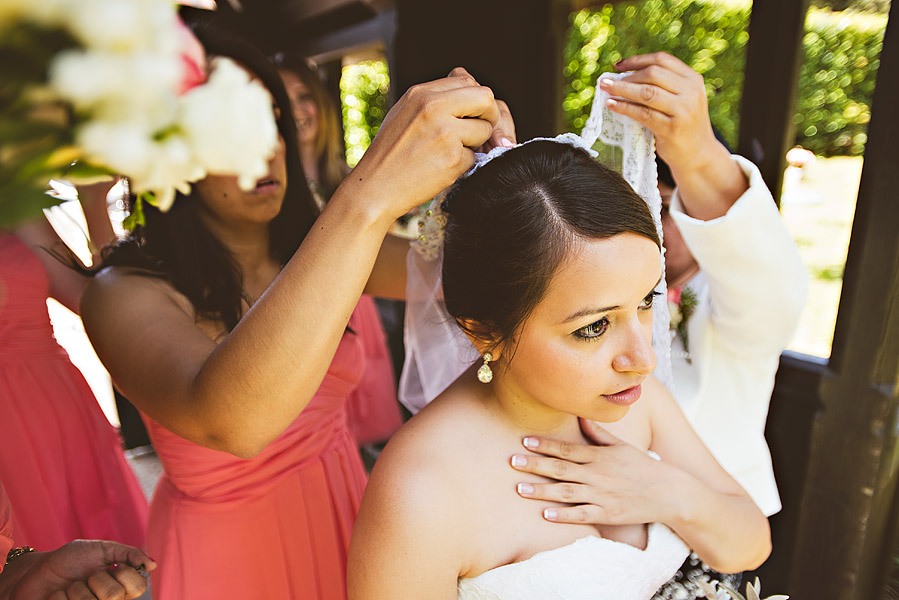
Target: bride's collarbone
pixel 512 529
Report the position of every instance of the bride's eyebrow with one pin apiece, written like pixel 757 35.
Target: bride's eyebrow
pixel 585 312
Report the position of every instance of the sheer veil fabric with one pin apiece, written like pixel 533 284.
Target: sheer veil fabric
pixel 437 351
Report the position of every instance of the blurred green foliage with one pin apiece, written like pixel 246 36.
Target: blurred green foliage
pixel 837 80
pixel 878 6
pixel 842 53
pixel 363 96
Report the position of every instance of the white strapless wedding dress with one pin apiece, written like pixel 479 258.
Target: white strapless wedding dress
pixel 591 568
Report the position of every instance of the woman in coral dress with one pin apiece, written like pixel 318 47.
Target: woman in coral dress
pixel 373 412
pixel 229 322
pixel 277 525
pixel 61 461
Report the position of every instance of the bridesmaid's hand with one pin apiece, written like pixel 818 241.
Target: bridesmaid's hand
pixel 80 570
pixel 669 98
pixel 503 133
pixel 424 144
pixel 612 483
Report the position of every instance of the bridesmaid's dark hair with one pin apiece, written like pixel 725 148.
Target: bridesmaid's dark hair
pixel 512 222
pixel 179 248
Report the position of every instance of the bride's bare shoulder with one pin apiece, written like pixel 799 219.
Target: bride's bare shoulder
pixel 437 436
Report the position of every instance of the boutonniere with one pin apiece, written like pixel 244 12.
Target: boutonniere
pixel 682 303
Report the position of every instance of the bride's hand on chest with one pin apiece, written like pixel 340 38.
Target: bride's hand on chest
pixel 611 483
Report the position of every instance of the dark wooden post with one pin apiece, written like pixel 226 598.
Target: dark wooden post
pixel 770 88
pixel 513 46
pixel 847 523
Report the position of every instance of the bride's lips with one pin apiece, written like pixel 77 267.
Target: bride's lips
pixel 625 397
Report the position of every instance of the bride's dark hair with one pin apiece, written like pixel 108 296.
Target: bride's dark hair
pixel 178 247
pixel 511 223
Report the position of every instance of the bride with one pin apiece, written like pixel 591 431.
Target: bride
pixel 550 267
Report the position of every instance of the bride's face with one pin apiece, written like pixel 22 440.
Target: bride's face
pixel 586 348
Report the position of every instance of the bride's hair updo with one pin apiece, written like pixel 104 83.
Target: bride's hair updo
pixel 512 222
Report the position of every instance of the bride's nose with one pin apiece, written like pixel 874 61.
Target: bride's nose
pixel 635 353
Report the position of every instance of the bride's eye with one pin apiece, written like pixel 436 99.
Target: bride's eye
pixel 647 301
pixel 593 330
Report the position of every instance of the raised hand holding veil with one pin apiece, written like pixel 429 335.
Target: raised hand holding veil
pixel 437 351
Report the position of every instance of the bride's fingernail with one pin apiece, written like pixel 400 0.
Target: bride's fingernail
pixel 550 514
pixel 530 442
pixel 605 84
pixel 519 461
pixel 525 489
pixel 611 103
pixel 506 143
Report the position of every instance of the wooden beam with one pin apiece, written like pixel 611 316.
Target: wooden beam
pixel 795 406
pixel 513 46
pixel 771 86
pixel 847 525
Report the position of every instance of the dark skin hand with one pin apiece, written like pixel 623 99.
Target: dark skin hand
pixel 80 570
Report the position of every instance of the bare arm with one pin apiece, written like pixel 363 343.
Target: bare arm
pixel 388 277
pixel 407 540
pixel 239 395
pixel 709 509
pixel 66 284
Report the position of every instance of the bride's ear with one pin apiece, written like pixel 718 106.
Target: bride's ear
pixel 480 336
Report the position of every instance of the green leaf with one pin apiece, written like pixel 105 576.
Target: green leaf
pixel 82 170
pixel 19 204
pixel 137 214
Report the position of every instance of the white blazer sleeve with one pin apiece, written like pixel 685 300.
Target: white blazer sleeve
pixel 757 282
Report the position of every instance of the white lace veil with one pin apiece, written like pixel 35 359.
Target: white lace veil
pixel 437 351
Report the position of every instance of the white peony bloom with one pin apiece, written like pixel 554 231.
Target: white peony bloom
pixel 172 167
pixel 125 147
pixel 123 26
pixel 99 79
pixel 160 166
pixel 230 124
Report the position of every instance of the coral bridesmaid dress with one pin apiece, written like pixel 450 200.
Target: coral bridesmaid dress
pixel 60 460
pixel 6 542
pixel 373 414
pixel 274 526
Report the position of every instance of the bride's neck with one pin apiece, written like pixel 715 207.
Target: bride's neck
pixel 526 415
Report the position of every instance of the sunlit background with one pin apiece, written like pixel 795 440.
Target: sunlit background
pixel 841 50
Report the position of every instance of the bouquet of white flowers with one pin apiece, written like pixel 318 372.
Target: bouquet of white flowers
pixel 98 87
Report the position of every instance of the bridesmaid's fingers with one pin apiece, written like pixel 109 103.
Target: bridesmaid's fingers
pixel 569 493
pixel 652 119
pixel 578 453
pixel 105 587
pixel 646 94
pixel 133 583
pixel 116 553
pixel 664 78
pixel 663 59
pixel 504 132
pixel 78 590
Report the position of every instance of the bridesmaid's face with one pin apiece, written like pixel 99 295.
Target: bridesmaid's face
pixel 224 201
pixel 586 348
